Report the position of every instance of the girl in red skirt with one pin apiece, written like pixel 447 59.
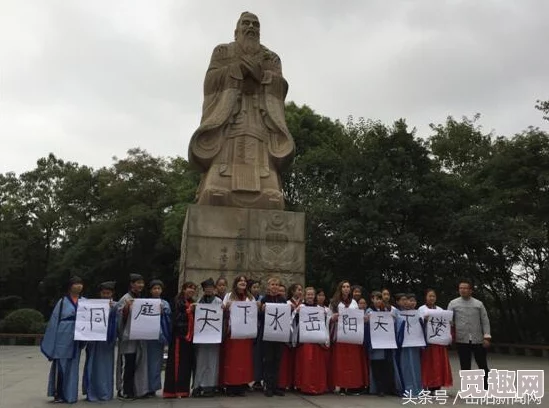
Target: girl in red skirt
pixel 436 371
pixel 347 361
pixel 287 365
pixel 237 364
pixel 310 365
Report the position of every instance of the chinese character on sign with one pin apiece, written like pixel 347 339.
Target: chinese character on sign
pixel 472 384
pixel 146 310
pixel 408 325
pixel 246 312
pixel 207 319
pixel 380 324
pixel 349 324
pixel 530 383
pixel 97 315
pixel 312 324
pixel 438 326
pixel 275 322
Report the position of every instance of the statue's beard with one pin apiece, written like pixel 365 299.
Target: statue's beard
pixel 250 44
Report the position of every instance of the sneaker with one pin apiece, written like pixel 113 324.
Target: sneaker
pixel 279 393
pixel 124 397
pixel 269 393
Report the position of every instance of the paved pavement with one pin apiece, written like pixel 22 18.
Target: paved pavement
pixel 24 371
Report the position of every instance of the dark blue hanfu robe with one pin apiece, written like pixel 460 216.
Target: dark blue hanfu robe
pixel 98 378
pixel 155 349
pixel 383 362
pixel 409 361
pixel 59 346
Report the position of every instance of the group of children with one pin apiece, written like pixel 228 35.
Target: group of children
pixel 236 365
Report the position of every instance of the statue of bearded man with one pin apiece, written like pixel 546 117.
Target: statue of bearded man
pixel 243 143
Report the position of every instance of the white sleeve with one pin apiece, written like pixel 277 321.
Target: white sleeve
pixel 422 309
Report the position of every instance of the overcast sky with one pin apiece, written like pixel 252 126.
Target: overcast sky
pixel 89 79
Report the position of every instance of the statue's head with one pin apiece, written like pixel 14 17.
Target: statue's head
pixel 247 30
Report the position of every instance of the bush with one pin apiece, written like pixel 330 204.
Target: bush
pixel 24 321
pixel 8 304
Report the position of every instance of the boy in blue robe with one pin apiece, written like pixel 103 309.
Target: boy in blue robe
pixel 98 381
pixel 409 358
pixel 155 348
pixel 59 346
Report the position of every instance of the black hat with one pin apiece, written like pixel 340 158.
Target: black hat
pixel 208 283
pixel 109 285
pixel 156 282
pixel 74 280
pixel 134 277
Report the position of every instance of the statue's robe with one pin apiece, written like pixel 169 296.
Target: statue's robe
pixel 242 142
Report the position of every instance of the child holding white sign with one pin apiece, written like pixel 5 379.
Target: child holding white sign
pixel 131 368
pixel 206 373
pixel 349 374
pixel 272 350
pixel 409 357
pixel 237 363
pixel 311 375
pixel 155 348
pixel 98 384
pixel 286 371
pixel 436 371
pixel 384 371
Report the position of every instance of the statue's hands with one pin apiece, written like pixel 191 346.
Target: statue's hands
pixel 250 66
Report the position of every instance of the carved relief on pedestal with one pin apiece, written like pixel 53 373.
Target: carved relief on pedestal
pixel 276 249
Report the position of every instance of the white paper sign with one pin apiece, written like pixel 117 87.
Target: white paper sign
pixel 243 320
pixel 382 330
pixel 92 320
pixel 278 321
pixel 312 325
pixel 350 326
pixel 413 331
pixel 438 327
pixel 208 323
pixel 145 319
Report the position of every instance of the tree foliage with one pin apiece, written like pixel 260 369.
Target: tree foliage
pixel 384 207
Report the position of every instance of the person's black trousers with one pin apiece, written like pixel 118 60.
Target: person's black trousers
pixel 129 374
pixel 272 356
pixel 465 350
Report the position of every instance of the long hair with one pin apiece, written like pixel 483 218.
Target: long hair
pixel 326 302
pixel 234 289
pixel 337 298
pixel 292 289
pixel 181 294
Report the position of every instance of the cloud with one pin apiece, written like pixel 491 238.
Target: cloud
pixel 89 80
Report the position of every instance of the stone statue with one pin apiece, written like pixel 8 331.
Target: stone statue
pixel 243 143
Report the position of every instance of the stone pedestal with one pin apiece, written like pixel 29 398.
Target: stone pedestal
pixel 228 241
